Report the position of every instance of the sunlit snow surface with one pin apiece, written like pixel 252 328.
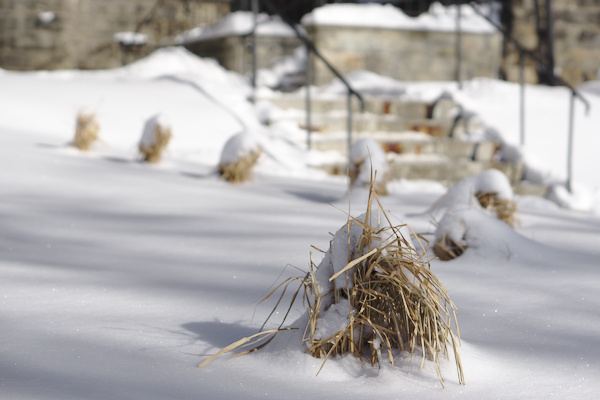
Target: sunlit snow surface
pixel 118 278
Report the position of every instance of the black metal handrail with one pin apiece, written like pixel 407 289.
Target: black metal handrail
pixel 312 48
pixel 523 52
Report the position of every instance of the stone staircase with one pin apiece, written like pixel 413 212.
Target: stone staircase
pixel 423 140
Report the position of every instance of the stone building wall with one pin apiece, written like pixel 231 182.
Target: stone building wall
pixel 81 33
pixel 404 54
pixel 576 39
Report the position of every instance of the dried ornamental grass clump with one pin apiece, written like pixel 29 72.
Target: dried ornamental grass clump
pixel 86 131
pixel 367 156
pixel 373 296
pixel 489 191
pixel 504 208
pixel 238 158
pixel 381 292
pixel 155 138
pixel 446 249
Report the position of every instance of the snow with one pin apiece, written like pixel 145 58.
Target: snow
pixel 496 103
pixel 239 23
pixel 367 159
pixel 130 38
pixel 238 147
pixel 371 15
pixel 462 194
pixel 46 17
pixel 118 277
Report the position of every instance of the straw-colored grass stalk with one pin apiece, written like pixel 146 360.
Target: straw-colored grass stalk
pixel 374 296
pixel 155 140
pixel 505 209
pixel 86 131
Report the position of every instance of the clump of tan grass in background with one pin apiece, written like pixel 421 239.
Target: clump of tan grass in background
pixel 355 170
pixel 239 156
pixel 86 131
pixel 447 249
pixel 152 148
pixel 366 156
pixel 505 209
pixel 391 301
pixel 240 170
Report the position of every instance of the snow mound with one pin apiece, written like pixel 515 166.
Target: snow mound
pixel 283 69
pixel 483 235
pixel 462 194
pixel 581 198
pixel 366 159
pixel 591 87
pixel 367 83
pixel 177 61
pixel 239 23
pixel 438 18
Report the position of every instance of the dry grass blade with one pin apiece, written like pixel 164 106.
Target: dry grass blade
pixel 86 131
pixel 241 169
pixel 240 343
pixel 380 186
pixel 153 153
pixel 352 264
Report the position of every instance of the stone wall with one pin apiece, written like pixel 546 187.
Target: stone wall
pixel 576 39
pixel 404 54
pixel 81 33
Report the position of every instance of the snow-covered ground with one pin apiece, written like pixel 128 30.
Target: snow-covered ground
pixel 118 277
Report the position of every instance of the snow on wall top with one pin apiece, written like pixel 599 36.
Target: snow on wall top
pixel 237 24
pixel 371 15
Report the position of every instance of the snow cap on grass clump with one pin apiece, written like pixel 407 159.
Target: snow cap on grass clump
pixel 485 236
pixel 155 138
pixel 366 158
pixel 86 131
pixel 239 156
pixel 489 189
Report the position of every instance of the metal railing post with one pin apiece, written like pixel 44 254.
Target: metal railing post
pixel 349 125
pixel 308 78
pixel 570 147
pixel 522 98
pixel 255 25
pixel 459 47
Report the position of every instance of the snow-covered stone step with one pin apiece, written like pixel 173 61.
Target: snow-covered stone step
pixel 374 105
pixel 338 121
pixel 439 168
pixel 412 143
